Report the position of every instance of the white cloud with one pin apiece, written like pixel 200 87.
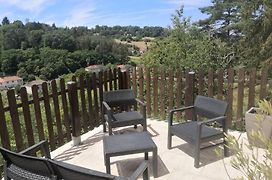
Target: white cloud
pixel 5 14
pixel 195 3
pixel 34 6
pixel 81 14
pixel 86 16
pixel 189 3
pixel 176 2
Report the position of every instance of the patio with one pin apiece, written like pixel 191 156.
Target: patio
pixel 48 116
pixel 176 163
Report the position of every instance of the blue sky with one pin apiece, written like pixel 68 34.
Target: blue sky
pixel 100 12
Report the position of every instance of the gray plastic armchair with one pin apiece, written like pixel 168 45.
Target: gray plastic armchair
pixel 24 166
pixel 71 172
pixel 122 99
pixel 196 131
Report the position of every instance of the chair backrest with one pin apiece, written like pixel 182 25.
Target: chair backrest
pixel 210 107
pixel 31 164
pixel 71 172
pixel 123 97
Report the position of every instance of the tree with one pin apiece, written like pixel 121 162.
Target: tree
pixel 256 26
pixel 5 21
pixel 223 16
pixel 10 61
pixel 187 47
pixel 35 38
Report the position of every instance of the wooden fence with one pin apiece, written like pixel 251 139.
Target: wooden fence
pixel 25 120
pixel 162 89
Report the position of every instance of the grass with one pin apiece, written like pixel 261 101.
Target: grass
pixel 135 59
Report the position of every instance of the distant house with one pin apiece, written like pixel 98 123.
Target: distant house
pixel 8 82
pixel 31 83
pixel 95 68
pixel 124 67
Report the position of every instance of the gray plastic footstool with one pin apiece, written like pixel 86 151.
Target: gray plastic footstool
pixel 126 144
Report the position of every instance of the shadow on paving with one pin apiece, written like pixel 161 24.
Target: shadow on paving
pixel 150 129
pixel 208 155
pixel 128 166
pixel 76 150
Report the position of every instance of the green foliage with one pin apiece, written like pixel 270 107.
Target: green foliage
pixel 223 15
pixel 246 25
pixel 127 32
pixel 187 47
pixel 252 162
pixel 37 49
pixel 5 21
pixel 59 39
pixel 256 25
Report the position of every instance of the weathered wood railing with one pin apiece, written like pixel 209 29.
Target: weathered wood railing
pixel 162 89
pixel 25 119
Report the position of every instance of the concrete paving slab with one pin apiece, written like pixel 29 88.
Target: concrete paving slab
pixel 176 163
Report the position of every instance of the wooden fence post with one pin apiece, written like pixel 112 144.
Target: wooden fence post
pixel 230 96
pixel 189 93
pixel 251 86
pixel 264 80
pixel 120 79
pixel 13 109
pixel 3 126
pixel 155 92
pixel 220 83
pixel 162 93
pixel 200 81
pixel 210 83
pixel 75 119
pixel 179 91
pixel 240 98
pixel 148 91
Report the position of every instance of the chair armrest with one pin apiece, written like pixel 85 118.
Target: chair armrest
pixel 170 120
pixel 108 111
pixel 221 118
pixel 181 109
pixel 143 106
pixel 140 102
pixel 78 170
pixel 42 145
pixel 105 105
pixel 143 168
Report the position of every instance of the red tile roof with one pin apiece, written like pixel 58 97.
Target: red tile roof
pixel 10 78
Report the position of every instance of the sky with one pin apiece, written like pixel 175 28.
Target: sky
pixel 100 12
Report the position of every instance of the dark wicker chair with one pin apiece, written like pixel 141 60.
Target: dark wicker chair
pixel 24 166
pixel 197 132
pixel 122 99
pixel 71 172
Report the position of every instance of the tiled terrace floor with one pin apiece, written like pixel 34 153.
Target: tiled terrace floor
pixel 176 163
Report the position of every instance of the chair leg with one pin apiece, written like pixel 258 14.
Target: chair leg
pixel 226 148
pixel 104 127
pixel 6 171
pixel 197 154
pixel 110 129
pixel 146 155
pixel 144 126
pixel 169 141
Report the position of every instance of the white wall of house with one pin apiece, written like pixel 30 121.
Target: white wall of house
pixel 11 84
pixel 29 88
